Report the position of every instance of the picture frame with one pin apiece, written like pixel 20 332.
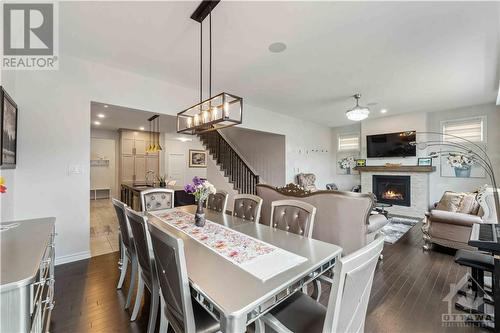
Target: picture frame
pixel 8 124
pixel 197 158
pixel 424 161
pixel 361 162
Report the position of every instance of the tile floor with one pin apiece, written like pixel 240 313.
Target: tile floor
pixel 103 227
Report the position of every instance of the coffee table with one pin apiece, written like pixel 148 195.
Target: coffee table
pixel 380 207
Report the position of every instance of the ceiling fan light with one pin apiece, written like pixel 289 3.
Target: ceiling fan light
pixel 358 113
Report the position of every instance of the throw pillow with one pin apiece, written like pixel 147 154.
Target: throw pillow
pixel 450 201
pixel 469 204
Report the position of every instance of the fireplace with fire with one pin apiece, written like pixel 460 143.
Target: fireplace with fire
pixel 393 190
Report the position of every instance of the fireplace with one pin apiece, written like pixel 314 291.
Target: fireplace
pixel 393 190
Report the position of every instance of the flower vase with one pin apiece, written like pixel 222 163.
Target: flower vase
pixel 348 171
pixel 199 217
pixel 462 172
pixel 163 184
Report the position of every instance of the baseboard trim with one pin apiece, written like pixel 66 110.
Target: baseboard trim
pixel 72 257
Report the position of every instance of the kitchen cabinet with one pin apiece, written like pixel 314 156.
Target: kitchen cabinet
pixel 135 161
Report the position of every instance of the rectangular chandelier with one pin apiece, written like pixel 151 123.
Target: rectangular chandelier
pixel 222 110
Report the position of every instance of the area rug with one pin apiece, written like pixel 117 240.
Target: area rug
pixel 397 227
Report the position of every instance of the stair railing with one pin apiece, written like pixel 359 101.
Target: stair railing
pixel 243 177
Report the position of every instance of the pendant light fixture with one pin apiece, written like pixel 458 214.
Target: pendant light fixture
pixel 154 134
pixel 216 112
pixel 358 112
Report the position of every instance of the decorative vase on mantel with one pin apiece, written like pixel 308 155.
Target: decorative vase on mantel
pixel 199 216
pixel 462 172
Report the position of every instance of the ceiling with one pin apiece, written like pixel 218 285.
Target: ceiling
pixel 116 117
pixel 403 56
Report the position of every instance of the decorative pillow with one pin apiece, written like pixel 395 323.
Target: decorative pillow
pixel 450 201
pixel 469 204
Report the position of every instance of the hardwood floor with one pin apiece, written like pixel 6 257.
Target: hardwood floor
pixel 407 292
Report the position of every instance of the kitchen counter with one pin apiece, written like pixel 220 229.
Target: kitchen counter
pixel 131 195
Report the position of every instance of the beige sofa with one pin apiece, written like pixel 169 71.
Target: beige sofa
pixel 342 218
pixel 450 223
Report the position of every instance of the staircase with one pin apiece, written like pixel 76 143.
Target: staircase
pixel 240 175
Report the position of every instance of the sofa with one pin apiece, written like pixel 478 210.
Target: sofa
pixel 449 224
pixel 342 218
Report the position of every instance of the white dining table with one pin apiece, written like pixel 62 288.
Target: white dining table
pixel 232 295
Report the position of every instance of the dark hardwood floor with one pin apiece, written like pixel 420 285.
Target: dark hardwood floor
pixel 407 293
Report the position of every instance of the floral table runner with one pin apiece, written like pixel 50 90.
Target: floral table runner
pixel 258 258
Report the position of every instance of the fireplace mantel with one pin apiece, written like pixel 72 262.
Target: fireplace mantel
pixel 401 168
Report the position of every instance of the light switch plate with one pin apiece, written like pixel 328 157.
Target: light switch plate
pixel 75 169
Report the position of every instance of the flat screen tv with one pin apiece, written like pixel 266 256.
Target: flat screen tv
pixel 391 145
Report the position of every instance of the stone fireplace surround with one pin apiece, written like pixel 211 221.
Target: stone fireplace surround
pixel 419 191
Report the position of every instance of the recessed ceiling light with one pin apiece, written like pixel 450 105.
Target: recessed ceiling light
pixel 141 128
pixel 383 111
pixel 183 139
pixel 106 105
pixel 97 123
pixel 277 47
pixel 100 115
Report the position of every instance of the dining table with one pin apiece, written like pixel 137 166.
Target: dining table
pixel 231 294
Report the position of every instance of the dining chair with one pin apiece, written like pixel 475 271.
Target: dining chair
pixel 178 309
pixel 247 207
pixel 218 201
pixel 127 250
pixel 347 304
pixel 157 199
pixel 147 268
pixel 293 216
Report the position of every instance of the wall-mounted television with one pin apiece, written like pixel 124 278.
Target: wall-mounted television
pixel 391 145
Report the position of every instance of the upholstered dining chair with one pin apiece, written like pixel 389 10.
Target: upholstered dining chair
pixel 347 304
pixel 147 267
pixel 247 207
pixel 157 199
pixel 218 201
pixel 178 309
pixel 127 247
pixel 293 216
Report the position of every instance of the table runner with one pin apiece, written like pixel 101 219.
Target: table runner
pixel 258 258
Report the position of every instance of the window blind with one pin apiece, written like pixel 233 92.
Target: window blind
pixel 348 142
pixel 469 129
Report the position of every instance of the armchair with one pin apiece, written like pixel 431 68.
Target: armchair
pixel 449 224
pixel 307 181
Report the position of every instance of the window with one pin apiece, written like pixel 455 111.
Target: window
pixel 349 142
pixel 471 129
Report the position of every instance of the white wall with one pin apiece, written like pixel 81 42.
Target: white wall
pixel 54 135
pixel 262 151
pixel 175 146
